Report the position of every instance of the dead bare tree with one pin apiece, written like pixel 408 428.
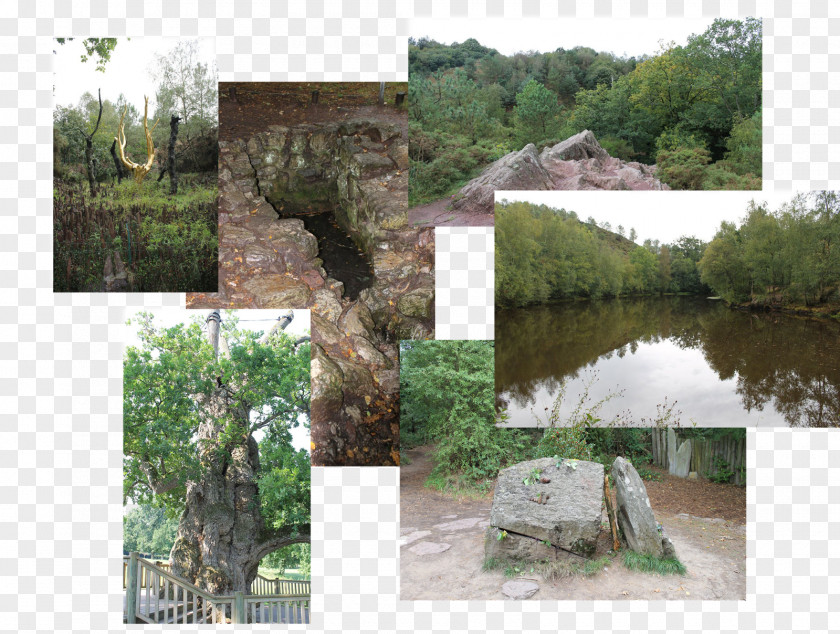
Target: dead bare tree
pixel 89 149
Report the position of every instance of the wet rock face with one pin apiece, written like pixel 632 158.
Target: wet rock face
pixel 543 502
pixel 579 162
pixel 267 261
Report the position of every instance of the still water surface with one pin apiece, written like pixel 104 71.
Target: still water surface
pixel 714 365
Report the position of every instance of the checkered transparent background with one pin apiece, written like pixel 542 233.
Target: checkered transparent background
pixel 60 438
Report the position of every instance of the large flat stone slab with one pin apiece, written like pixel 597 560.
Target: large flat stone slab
pixel 567 512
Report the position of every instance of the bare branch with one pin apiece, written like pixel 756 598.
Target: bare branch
pixel 281 324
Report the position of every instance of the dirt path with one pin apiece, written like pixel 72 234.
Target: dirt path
pixel 436 214
pixel 713 551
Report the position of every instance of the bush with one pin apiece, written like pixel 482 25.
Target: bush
pixel 618 148
pixel 720 471
pixel 683 167
pixel 744 146
pixel 565 442
pixel 721 175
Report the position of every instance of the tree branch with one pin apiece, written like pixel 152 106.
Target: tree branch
pixel 275 539
pixel 281 324
pixel 158 485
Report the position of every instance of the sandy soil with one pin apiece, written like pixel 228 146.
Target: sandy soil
pixel 712 549
pixel 436 214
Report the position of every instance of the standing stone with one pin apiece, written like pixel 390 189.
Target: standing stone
pixel 672 449
pixel 635 516
pixel 683 460
pixel 568 513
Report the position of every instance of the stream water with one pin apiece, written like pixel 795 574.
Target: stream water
pixel 713 365
pixel 342 258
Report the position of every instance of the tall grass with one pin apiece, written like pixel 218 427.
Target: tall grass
pixel 168 243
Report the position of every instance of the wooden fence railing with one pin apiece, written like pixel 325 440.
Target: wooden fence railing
pixel 286 587
pixel 261 585
pixel 144 580
pixel 166 598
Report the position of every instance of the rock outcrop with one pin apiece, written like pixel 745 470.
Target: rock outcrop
pixel 579 162
pixel 357 169
pixel 541 506
pixel 635 516
pixel 518 170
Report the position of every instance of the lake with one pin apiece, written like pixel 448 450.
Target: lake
pixel 714 365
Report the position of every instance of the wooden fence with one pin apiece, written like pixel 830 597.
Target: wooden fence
pixel 708 457
pixel 261 585
pixel 166 598
pixel 286 587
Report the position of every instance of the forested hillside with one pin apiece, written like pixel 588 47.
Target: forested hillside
pixel 544 254
pixel 784 258
pixel 790 256
pixel 694 108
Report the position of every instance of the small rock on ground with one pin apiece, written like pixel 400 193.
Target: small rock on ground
pixel 457 525
pixel 429 548
pixel 413 537
pixel 519 590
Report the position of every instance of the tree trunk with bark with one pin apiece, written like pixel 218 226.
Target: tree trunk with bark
pixel 91 173
pixel 170 166
pixel 120 171
pixel 222 535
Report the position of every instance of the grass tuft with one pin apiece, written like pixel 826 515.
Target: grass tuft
pixel 649 563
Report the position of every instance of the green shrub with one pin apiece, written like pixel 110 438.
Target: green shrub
pixel 720 471
pixel 744 146
pixel 618 148
pixel 721 175
pixel 683 168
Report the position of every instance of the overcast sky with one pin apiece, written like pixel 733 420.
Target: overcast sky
pixel 663 216
pixel 128 72
pixel 171 316
pixel 630 37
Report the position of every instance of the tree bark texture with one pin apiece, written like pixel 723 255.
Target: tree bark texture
pixel 170 167
pixel 89 150
pixel 222 535
pixel 120 172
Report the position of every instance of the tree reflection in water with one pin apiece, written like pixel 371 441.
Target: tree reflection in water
pixel 787 367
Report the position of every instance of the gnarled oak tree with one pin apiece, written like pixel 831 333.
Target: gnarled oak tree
pixel 206 422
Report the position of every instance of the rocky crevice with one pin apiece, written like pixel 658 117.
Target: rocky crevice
pixel 359 171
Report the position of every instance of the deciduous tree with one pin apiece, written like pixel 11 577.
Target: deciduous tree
pixel 206 433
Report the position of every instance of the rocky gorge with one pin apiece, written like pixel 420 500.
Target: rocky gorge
pixel 355 171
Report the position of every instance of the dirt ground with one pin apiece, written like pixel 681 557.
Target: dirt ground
pixel 713 549
pixel 258 105
pixel 436 214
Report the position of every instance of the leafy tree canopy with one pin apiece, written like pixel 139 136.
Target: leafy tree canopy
pixel 166 380
pixel 98 47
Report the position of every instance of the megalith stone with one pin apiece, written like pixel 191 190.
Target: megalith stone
pixel 556 503
pixel 683 460
pixel 635 516
pixel 672 450
pixel 503 546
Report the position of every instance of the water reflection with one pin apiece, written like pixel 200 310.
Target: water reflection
pixel 723 367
